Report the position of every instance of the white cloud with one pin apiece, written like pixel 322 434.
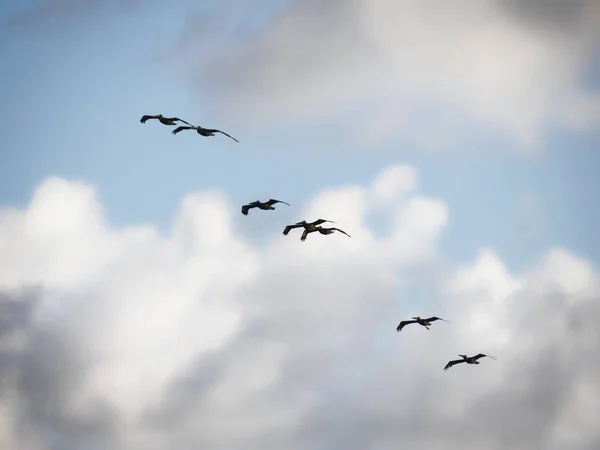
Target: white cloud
pixel 394 181
pixel 431 70
pixel 139 340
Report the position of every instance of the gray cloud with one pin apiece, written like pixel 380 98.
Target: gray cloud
pixel 411 69
pixel 50 369
pixel 566 16
pixel 314 361
pixel 16 310
pixel 42 371
pixel 391 404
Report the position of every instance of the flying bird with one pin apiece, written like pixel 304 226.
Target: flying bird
pixel 162 119
pixel 261 205
pixel 321 230
pixel 202 131
pixel 423 322
pixel 331 230
pixel 307 225
pixel 466 359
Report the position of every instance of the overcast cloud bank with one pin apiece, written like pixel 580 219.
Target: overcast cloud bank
pixel 127 339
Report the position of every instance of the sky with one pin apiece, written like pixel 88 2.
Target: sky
pixel 456 141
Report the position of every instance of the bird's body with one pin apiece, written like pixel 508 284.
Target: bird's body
pixel 162 119
pixel 202 131
pixel 326 231
pixel 266 206
pixel 321 230
pixel 309 227
pixel 467 359
pixel 423 322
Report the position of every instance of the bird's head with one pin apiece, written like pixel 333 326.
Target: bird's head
pixel 417 318
pixel 463 356
pixel 160 116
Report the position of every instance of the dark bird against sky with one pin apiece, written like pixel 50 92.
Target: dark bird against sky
pixel 423 322
pixel 268 205
pixel 162 119
pixel 466 359
pixel 322 230
pixel 306 225
pixel 202 131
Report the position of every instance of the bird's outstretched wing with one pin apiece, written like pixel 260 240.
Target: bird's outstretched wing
pixel 331 230
pixel 404 323
pixel 222 132
pixel 177 119
pixel 247 208
pixel 320 221
pixel 146 117
pixel 434 318
pixel 273 201
pixel 481 355
pixel 289 228
pixel 181 128
pixel 453 363
pixel 304 235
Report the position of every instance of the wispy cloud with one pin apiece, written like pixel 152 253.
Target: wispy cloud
pixel 501 66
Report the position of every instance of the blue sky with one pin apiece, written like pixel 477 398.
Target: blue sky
pixel 74 91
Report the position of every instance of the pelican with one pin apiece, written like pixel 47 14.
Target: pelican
pixel 423 322
pixel 162 119
pixel 202 131
pixel 466 359
pixel 312 226
pixel 322 230
pixel 261 205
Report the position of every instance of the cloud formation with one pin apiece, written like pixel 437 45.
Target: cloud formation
pixel 421 69
pixel 136 340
